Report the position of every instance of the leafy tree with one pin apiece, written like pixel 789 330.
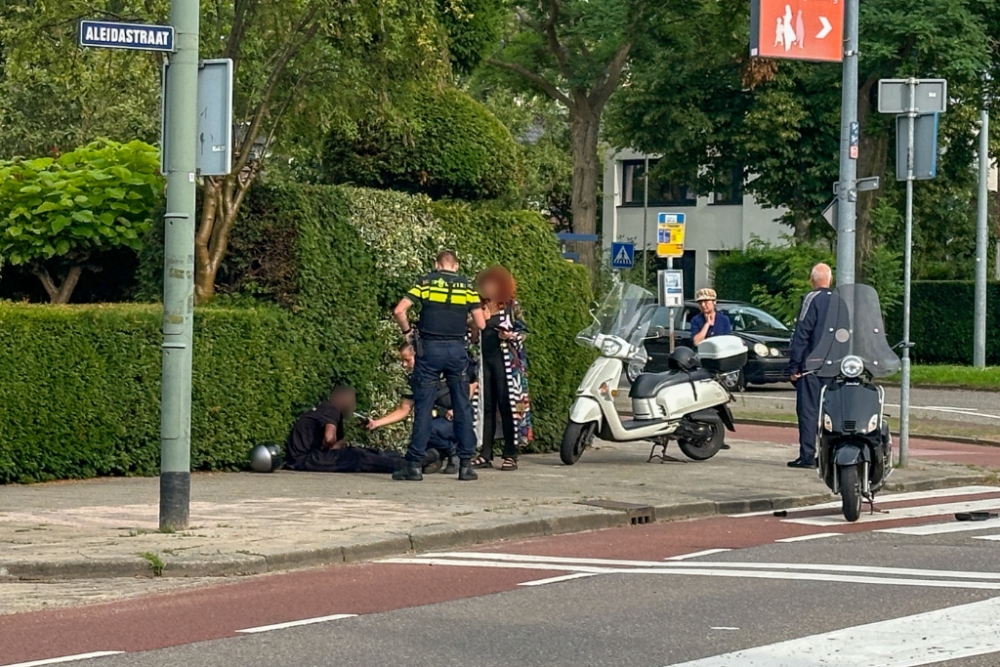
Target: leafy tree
pixel 474 28
pixel 100 196
pixel 575 52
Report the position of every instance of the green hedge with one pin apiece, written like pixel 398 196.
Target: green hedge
pixel 80 388
pixel 941 322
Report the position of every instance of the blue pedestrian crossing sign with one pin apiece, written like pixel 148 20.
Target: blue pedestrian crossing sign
pixel 622 255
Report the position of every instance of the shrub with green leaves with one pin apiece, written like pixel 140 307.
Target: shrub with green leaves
pixel 56 212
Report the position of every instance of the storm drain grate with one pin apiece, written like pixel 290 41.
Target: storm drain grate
pixel 637 514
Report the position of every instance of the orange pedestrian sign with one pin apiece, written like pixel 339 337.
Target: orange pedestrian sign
pixel 670 235
pixel 797 29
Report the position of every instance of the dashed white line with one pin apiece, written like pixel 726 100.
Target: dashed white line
pixel 65 658
pixel 991 538
pixel 294 624
pixel 806 538
pixel 698 554
pixel 556 580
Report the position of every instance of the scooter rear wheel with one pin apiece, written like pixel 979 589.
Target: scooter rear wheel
pixel 576 439
pixel 706 448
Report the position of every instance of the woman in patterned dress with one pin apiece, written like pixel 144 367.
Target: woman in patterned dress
pixel 502 369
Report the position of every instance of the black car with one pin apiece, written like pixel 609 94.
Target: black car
pixel 767 339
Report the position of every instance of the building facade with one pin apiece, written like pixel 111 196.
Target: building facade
pixel 721 222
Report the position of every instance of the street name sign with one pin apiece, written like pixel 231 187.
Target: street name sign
pixel 670 235
pixel 133 36
pixel 797 29
pixel 622 255
pixel 931 96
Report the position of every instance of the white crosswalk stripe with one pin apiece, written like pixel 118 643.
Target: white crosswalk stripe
pixel 943 528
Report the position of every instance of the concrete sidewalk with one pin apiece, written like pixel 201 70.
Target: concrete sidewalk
pixel 251 523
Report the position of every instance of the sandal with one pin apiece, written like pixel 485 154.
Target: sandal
pixel 509 464
pixel 479 463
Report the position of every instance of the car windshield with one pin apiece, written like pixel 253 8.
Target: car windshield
pixel 750 319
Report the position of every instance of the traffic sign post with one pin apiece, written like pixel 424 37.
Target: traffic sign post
pixel 921 101
pixel 622 255
pixel 797 29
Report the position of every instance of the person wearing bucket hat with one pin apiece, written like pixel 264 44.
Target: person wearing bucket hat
pixel 709 322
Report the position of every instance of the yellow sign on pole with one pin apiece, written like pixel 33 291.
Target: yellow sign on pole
pixel 670 235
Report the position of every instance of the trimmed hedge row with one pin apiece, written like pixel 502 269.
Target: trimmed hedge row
pixel 80 388
pixel 306 295
pixel 941 321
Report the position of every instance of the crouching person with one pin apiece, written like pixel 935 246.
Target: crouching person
pixel 316 443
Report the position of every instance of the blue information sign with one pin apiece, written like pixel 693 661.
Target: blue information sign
pixel 622 255
pixel 110 35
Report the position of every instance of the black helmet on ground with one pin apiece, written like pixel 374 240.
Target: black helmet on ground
pixel 684 359
pixel 266 458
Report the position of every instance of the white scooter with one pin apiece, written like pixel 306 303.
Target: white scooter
pixel 689 403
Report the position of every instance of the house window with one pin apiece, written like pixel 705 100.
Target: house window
pixel 661 192
pixel 729 190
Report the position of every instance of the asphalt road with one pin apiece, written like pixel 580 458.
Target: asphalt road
pixel 903 587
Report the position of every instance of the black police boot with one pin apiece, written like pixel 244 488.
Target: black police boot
pixel 432 462
pixel 465 472
pixel 409 473
pixel 452 466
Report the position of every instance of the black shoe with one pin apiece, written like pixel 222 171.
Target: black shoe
pixel 452 466
pixel 408 473
pixel 799 463
pixel 466 473
pixel 725 446
pixel 432 462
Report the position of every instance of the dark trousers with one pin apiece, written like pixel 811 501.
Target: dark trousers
pixel 448 358
pixel 443 437
pixel 807 391
pixel 496 398
pixel 349 459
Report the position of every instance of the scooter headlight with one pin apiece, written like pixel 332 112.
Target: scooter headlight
pixel 760 350
pixel 873 424
pixel 611 348
pixel 827 423
pixel 852 366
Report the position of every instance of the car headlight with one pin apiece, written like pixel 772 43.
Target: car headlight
pixel 775 352
pixel 852 366
pixel 611 348
pixel 827 423
pixel 873 424
pixel 760 350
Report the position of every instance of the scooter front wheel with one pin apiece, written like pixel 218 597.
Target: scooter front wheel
pixel 850 492
pixel 576 439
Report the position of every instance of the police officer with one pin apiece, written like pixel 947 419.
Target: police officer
pixel 808 333
pixel 445 299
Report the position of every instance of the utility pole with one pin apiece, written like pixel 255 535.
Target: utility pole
pixel 982 241
pixel 645 222
pixel 904 389
pixel 849 147
pixel 180 139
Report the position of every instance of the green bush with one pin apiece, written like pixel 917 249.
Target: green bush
pixel 80 388
pixel 941 322
pixel 445 145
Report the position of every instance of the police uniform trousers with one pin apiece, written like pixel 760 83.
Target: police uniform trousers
pixel 447 357
pixel 807 396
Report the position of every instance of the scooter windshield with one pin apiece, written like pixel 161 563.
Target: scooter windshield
pixel 626 313
pixel 853 327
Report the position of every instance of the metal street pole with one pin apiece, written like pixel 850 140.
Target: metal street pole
pixel 645 223
pixel 904 391
pixel 982 241
pixel 178 269
pixel 849 138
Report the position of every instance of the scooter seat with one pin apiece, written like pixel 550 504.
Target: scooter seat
pixel 648 385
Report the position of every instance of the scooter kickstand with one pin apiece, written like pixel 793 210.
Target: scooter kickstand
pixel 663 457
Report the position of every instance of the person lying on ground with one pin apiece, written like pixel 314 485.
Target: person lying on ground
pixel 316 442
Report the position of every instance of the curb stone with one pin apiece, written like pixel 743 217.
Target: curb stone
pixel 419 540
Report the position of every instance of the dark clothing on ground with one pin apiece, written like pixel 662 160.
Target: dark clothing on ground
pixel 445 300
pixel 305 450
pixel 443 436
pixel 496 393
pixel 721 327
pixel 807 336
pixel 447 357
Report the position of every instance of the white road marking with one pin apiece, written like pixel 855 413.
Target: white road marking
pixel 992 538
pixel 903 513
pixel 922 639
pixel 806 538
pixel 294 624
pixel 66 658
pixel 942 528
pixel 723 627
pixel 556 580
pixel 881 500
pixel 698 554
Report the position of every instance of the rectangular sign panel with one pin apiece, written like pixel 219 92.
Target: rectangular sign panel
pixel 622 255
pixel 670 288
pixel 214 146
pixel 134 36
pixel 931 96
pixel 797 29
pixel 670 235
pixel 925 148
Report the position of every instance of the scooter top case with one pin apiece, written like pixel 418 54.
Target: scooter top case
pixel 723 354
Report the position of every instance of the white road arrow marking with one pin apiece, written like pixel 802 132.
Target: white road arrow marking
pixel 827 28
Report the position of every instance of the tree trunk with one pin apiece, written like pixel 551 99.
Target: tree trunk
pixel 801 233
pixel 585 126
pixel 59 294
pixel 222 198
pixel 872 161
